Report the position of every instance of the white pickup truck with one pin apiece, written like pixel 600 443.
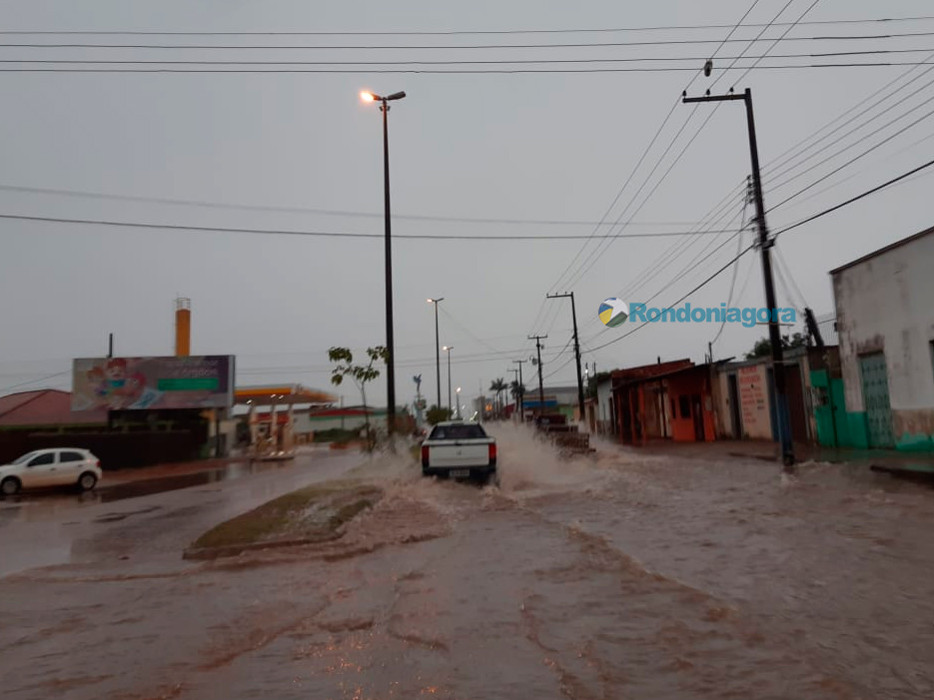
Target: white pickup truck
pixel 459 450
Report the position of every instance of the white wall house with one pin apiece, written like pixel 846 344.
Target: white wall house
pixel 885 320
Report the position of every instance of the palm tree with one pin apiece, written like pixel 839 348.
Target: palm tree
pixel 498 386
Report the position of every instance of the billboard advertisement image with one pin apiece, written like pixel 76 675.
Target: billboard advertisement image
pixel 122 383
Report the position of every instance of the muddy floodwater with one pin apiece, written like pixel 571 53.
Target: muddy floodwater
pixel 622 575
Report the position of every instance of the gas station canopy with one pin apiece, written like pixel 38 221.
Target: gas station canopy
pixel 281 395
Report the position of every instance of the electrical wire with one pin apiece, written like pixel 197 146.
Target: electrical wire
pixel 702 284
pixel 476 62
pixel 775 42
pixel 325 234
pixel 853 160
pixel 445 47
pixel 815 152
pixel 434 71
pixel 323 212
pixel 851 200
pixel 809 219
pixel 787 269
pixel 619 193
pixel 750 44
pixel 676 27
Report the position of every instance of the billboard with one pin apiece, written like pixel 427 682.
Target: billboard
pixel 122 383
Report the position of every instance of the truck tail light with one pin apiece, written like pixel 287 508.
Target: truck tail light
pixel 493 453
pixel 425 459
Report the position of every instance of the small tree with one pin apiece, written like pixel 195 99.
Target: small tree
pixel 436 415
pixel 360 374
pixel 763 346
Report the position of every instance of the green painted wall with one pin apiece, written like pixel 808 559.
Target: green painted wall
pixel 836 427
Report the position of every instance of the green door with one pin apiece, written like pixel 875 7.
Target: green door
pixel 874 375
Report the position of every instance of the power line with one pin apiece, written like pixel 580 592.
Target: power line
pixel 619 193
pixel 675 27
pixel 500 61
pixel 702 284
pixel 780 38
pixel 742 53
pixel 814 217
pixel 458 71
pixel 324 212
pixel 854 159
pixel 437 47
pixel 324 234
pixel 858 197
pixel 814 153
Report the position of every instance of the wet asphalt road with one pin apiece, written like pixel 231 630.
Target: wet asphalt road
pixel 622 576
pixel 137 520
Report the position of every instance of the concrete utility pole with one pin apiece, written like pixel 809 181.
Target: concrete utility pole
pixel 541 387
pixel 765 246
pixel 577 349
pixel 521 391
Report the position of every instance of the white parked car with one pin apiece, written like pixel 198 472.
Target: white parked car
pixel 58 466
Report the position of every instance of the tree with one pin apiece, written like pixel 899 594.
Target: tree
pixel 498 386
pixel 763 347
pixel 435 415
pixel 360 374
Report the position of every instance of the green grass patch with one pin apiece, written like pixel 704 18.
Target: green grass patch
pixel 310 513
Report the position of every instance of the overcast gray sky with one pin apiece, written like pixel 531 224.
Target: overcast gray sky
pixel 517 146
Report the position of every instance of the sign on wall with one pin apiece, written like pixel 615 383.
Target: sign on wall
pixel 137 383
pixel 754 400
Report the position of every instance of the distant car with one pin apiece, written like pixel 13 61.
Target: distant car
pixel 459 450
pixel 59 466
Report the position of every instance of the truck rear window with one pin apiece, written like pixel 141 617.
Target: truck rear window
pixel 457 432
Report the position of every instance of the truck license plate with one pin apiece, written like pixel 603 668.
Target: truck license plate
pixel 460 473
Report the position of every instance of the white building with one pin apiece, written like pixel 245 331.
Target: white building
pixel 885 320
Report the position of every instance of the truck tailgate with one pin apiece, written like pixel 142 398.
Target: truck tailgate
pixel 459 453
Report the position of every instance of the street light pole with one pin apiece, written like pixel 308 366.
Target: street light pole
pixel 765 245
pixel 447 349
pixel 390 355
pixel 437 348
pixel 458 403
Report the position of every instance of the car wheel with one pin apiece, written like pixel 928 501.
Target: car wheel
pixel 87 481
pixel 10 486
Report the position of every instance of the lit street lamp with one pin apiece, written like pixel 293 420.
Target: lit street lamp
pixel 390 356
pixel 447 349
pixel 437 348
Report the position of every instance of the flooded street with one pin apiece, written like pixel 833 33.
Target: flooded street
pixel 623 575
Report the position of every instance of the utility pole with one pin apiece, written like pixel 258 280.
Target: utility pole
pixel 515 373
pixel 765 246
pixel 577 349
pixel 541 387
pixel 437 348
pixel 521 391
pixel 110 346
